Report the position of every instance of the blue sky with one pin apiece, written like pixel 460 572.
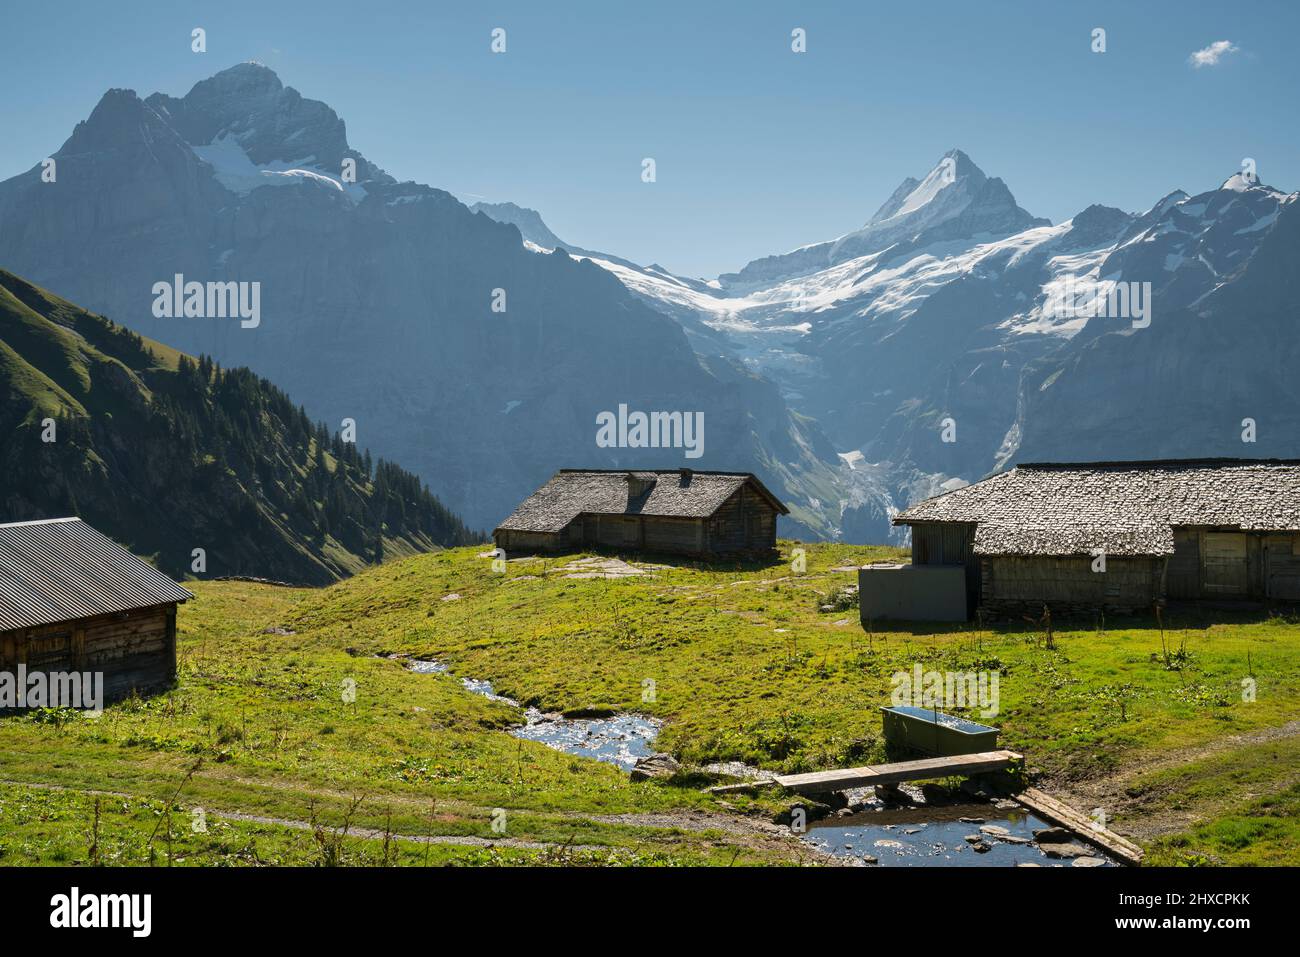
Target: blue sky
pixel 758 149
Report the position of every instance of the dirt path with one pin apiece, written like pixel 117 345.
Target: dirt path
pixel 750 833
pixel 681 820
pixel 464 840
pixel 1144 823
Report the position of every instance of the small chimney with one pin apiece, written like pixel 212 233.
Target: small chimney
pixel 639 483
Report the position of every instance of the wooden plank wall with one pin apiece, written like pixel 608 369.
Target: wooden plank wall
pixel 1282 566
pixel 1225 570
pixel 674 534
pixel 1207 563
pixel 942 543
pixel 134 650
pixel 1221 564
pixel 516 542
pixel 1014 585
pixel 745 522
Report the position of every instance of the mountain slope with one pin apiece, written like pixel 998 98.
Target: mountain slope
pixel 377 299
pixel 1184 386
pixel 167 455
pixel 946 305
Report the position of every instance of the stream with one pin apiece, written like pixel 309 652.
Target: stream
pixel 620 739
pixel 917 835
pixel 937 837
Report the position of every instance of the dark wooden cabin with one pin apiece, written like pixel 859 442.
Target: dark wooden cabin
pixel 1192 529
pixel 72 600
pixel 679 511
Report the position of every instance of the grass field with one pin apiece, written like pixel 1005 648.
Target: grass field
pixel 286 766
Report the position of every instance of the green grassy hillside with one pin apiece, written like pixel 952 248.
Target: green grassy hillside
pixel 1149 725
pixel 167 454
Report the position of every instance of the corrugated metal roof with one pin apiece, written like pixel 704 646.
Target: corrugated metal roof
pixel 61 569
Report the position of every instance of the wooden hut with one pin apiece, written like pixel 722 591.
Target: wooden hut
pixel 679 511
pixel 1118 536
pixel 72 600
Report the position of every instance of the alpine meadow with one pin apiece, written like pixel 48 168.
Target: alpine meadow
pixel 736 449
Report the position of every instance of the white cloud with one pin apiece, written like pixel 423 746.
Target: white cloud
pixel 1211 55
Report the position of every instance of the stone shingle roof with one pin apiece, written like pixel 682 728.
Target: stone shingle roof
pixel 675 492
pixel 1123 508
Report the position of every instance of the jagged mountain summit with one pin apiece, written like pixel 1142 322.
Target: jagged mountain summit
pixel 954 201
pixel 478 361
pixel 477 347
pixel 947 304
pixel 527 221
pixel 247 110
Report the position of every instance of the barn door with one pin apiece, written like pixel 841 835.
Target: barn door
pixel 1283 567
pixel 631 532
pixel 1225 564
pixel 1183 572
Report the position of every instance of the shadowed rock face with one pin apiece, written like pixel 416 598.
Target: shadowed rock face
pixel 376 298
pixel 1183 386
pixel 272 122
pixel 1212 354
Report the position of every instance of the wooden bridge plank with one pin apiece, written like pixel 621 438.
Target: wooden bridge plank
pixel 1046 806
pixel 843 779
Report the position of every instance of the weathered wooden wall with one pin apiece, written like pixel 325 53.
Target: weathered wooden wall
pixel 616 532
pixel 1207 563
pixel 745 522
pixel 1226 564
pixel 515 542
pixel 1282 566
pixel 1013 585
pixel 1213 563
pixel 684 535
pixel 942 543
pixel 136 650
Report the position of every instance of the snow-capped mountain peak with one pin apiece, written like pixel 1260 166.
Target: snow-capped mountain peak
pixel 941 181
pixel 896 200
pixel 945 299
pixel 955 200
pixel 251 128
pixel 1242 182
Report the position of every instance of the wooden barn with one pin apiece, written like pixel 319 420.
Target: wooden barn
pixel 680 511
pixel 72 600
pixel 1118 536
